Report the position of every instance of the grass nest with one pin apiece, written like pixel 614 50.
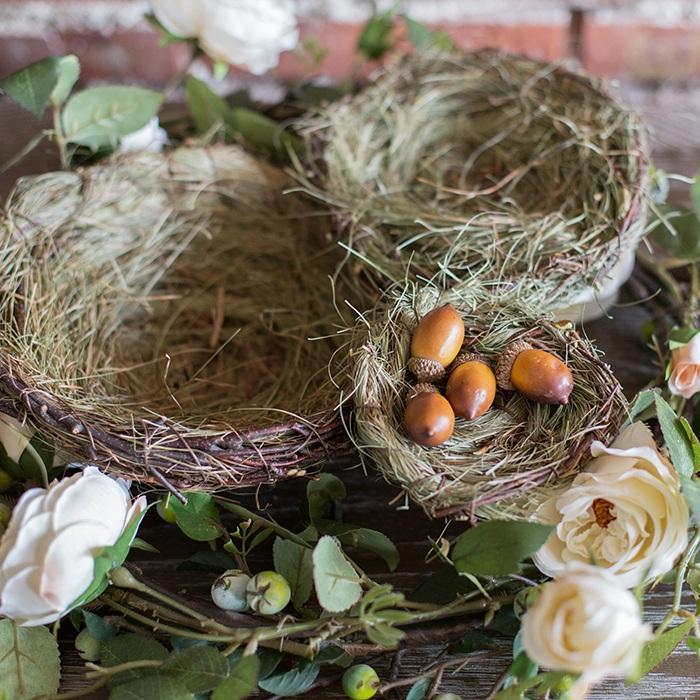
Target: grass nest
pixel 505 463
pixel 157 315
pixel 487 163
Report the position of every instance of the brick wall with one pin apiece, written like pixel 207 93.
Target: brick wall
pixel 637 40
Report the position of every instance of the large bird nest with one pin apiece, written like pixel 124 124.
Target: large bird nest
pixel 483 163
pixel 505 463
pixel 158 316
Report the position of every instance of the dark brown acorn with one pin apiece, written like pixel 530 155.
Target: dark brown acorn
pixel 429 419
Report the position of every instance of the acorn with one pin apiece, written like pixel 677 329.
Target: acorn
pixel 429 419
pixel 436 342
pixel 537 374
pixel 471 387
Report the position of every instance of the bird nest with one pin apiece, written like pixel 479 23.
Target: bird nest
pixel 505 463
pixel 157 315
pixel 482 163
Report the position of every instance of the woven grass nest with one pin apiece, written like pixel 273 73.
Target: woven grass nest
pixel 505 463
pixel 156 314
pixel 483 163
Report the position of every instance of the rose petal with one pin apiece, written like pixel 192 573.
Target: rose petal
pixel 21 602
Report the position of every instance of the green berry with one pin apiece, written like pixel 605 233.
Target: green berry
pixel 88 647
pixel 6 481
pixel 446 696
pixel 229 590
pixel 165 510
pixel 268 593
pixel 360 682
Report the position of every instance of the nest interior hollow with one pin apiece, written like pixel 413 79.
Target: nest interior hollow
pixel 487 162
pixel 159 315
pixel 505 463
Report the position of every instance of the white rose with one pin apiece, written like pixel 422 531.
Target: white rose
pixel 47 552
pixel 685 369
pixel 625 513
pixel 587 623
pixel 243 32
pixel 14 436
pixel 149 138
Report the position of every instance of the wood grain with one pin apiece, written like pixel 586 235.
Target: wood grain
pixel 370 500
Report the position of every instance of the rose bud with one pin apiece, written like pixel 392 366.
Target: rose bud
pixel 436 342
pixel 537 374
pixel 471 387
pixel 429 419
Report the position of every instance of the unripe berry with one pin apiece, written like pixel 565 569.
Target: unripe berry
pixel 267 593
pixel 165 510
pixel 429 419
pixel 471 388
pixel 436 341
pixel 229 590
pixel 360 682
pixel 88 646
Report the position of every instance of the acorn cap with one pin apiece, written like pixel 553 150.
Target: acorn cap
pixel 505 361
pixel 426 370
pixel 468 357
pixel 422 388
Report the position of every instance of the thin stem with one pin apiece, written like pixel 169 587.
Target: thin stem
pixel 100 671
pixel 439 668
pixel 179 77
pixel 58 136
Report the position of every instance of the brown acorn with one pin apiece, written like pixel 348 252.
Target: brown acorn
pixel 537 374
pixel 429 419
pixel 471 387
pixel 436 341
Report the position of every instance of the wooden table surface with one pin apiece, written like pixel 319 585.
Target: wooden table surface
pixel 369 497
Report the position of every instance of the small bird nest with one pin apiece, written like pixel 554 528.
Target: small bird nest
pixel 157 316
pixel 486 163
pixel 505 463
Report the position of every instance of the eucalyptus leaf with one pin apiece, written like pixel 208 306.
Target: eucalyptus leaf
pixel 294 563
pixel 154 687
pixel 337 583
pixel 199 668
pixel 31 86
pixel 131 647
pixel 323 494
pixel 68 74
pixel 99 117
pixel 675 437
pixel 293 682
pixel 199 518
pixel 241 682
pixel 419 690
pixel 656 651
pixel 29 661
pixel 497 547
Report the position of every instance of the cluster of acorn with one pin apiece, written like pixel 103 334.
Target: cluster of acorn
pixel 471 386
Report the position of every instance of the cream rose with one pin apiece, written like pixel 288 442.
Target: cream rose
pixel 243 32
pixel 586 623
pixel 625 513
pixel 685 369
pixel 47 552
pixel 151 137
pixel 14 436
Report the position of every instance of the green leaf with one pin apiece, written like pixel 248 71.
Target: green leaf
pixel 131 647
pixel 419 689
pixel 675 438
pixel 68 74
pixel 199 668
pixel 217 561
pixel 473 641
pixel 363 538
pixel 693 643
pixel 423 38
pixel 384 634
pixel 695 194
pixel 497 547
pixel 442 587
pixel 206 107
pixel 293 682
pixel 199 518
pixel 693 440
pixel 32 86
pixel 656 651
pixel 241 682
pixel 691 493
pixel 260 132
pixel 29 661
pixel 322 494
pixel 98 627
pixel 375 39
pixel 337 583
pixel 677 231
pixel 678 337
pixel 99 117
pixel 155 687
pixel 294 563
pixel 642 403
